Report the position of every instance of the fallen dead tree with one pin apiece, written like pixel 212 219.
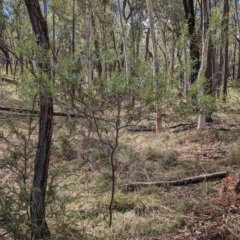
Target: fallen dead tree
pixel 180 182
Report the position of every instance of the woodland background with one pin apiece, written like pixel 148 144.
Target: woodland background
pixel 99 100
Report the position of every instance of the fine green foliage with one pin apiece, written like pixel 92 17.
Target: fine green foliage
pixel 17 146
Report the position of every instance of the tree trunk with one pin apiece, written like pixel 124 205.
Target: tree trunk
pixel 194 49
pixel 233 60
pixel 203 71
pixel 238 72
pixel 124 41
pixel 155 62
pixel 89 33
pixel 225 48
pixel 186 75
pixel 73 26
pixel 208 86
pixel 238 37
pixel 2 29
pixel 39 228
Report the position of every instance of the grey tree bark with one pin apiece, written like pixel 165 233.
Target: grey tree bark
pixel 205 56
pixel 155 61
pixel 124 41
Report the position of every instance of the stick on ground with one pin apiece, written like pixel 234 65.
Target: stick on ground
pixel 180 182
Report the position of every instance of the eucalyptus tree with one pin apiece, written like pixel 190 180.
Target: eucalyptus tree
pixel 125 48
pixel 237 20
pixel 156 63
pixel 39 228
pixel 194 46
pixel 224 55
pixel 6 58
pixel 205 59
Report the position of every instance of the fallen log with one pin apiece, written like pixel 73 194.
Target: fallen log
pixel 142 129
pixel 190 125
pixel 180 182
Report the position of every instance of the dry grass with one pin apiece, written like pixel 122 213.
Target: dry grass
pixel 152 212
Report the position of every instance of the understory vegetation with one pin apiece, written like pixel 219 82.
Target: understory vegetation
pixel 80 178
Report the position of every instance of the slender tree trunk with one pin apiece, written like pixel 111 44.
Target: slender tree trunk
pixel 233 60
pixel 148 54
pixel 186 75
pixel 88 30
pixel 72 86
pixel 165 43
pixel 2 29
pixel 194 48
pixel 225 48
pixel 124 41
pixel 39 228
pixel 219 71
pixel 155 62
pixel 54 39
pixel 97 39
pixel 204 68
pixel 238 37
pixel 73 26
pixel 238 72
pixel 208 86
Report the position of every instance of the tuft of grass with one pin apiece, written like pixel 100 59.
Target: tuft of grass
pixel 208 188
pixel 154 228
pixel 195 137
pixel 234 154
pixel 179 221
pixel 165 158
pixel 149 190
pixel 184 205
pixel 170 159
pixel 122 202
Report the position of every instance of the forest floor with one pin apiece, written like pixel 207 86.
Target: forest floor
pixel 202 211
pixel 79 187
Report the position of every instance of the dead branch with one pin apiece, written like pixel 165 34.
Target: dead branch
pixel 180 182
pixel 190 125
pixel 35 112
pixel 142 128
